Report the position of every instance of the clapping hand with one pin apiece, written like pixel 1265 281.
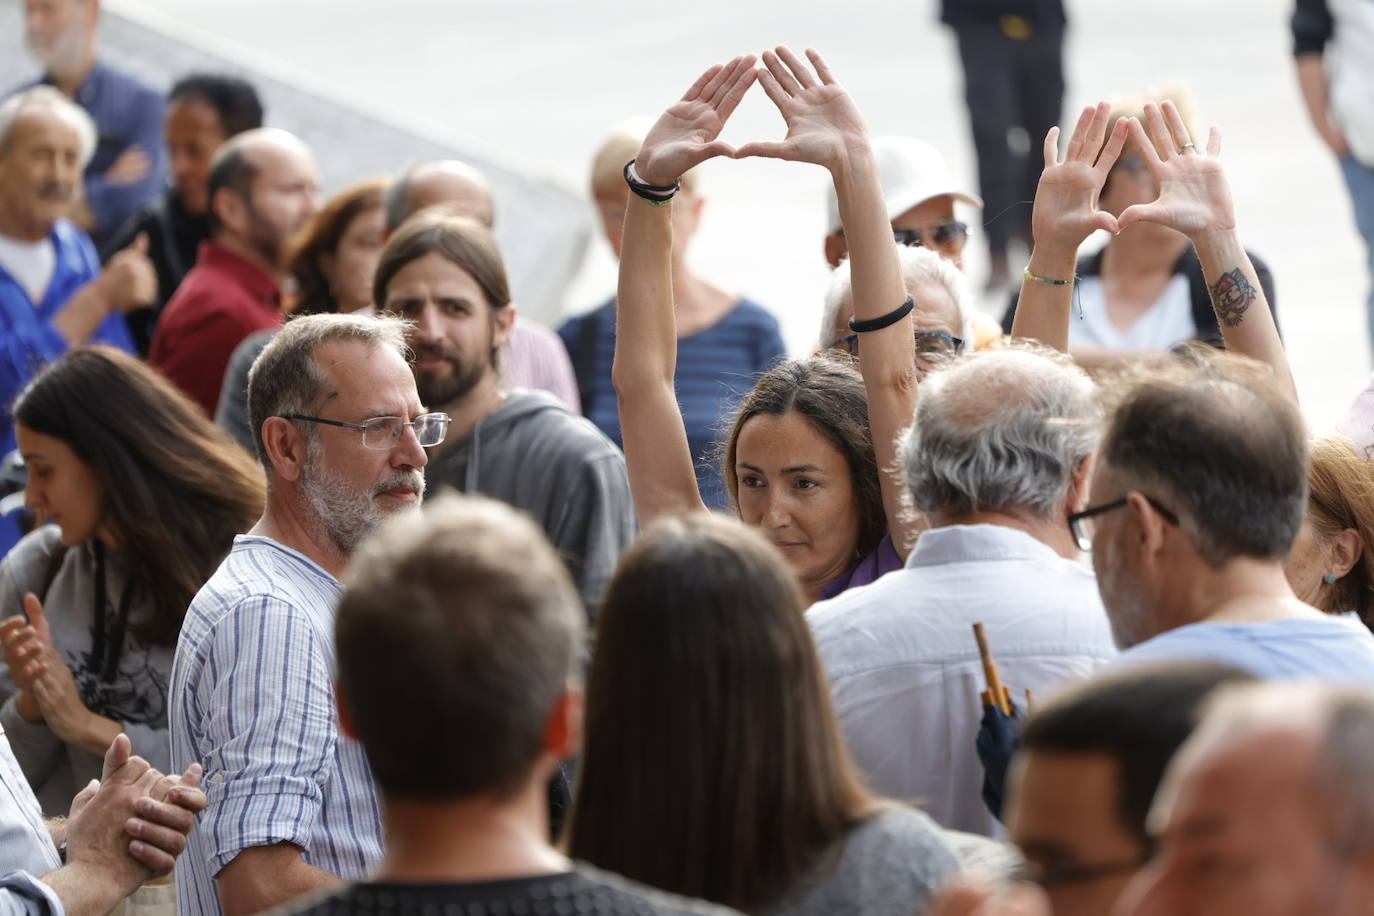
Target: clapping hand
pixel 685 135
pixel 823 123
pixel 1194 197
pixel 1065 211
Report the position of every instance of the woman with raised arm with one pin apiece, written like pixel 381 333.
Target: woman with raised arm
pixel 1194 199
pixel 800 462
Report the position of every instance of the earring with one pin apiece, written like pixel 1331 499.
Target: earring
pixel 1330 578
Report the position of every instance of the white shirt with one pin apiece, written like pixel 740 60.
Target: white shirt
pixel 1351 92
pixel 31 264
pixel 1167 322
pixel 25 843
pixel 904 667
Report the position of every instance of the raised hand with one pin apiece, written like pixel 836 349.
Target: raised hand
pixel 823 123
pixel 1065 211
pixel 685 135
pixel 129 280
pixel 1194 197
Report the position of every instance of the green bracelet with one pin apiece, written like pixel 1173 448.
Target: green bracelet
pixel 1039 279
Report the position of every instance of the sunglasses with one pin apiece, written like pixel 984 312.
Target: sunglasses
pixel 949 236
pixel 929 344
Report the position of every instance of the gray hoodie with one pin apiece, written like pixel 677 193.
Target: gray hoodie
pixel 534 454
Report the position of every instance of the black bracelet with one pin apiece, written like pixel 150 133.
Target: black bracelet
pixel 657 195
pixel 660 188
pixel 883 321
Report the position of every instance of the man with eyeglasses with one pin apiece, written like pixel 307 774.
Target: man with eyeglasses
pixel 341 434
pixel 1198 493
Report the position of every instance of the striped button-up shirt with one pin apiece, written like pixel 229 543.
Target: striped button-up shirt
pixel 252 700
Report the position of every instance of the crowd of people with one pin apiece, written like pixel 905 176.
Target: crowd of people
pixel 1068 617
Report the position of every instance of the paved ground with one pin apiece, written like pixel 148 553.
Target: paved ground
pixel 536 82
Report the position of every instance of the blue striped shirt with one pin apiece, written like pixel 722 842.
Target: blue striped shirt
pixel 252 700
pixel 716 368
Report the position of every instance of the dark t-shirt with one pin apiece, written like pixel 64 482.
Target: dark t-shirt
pixel 584 891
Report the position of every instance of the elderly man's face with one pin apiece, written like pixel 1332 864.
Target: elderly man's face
pixel 350 488
pixel 40 170
pixel 935 319
pixel 1063 818
pixel 1242 833
pixel 57 30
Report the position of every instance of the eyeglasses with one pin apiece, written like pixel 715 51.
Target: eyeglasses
pixel 384 432
pixel 930 345
pixel 1082 526
pixel 948 237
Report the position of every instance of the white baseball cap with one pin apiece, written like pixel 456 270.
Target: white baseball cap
pixel 912 172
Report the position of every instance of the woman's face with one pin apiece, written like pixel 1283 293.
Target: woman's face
pixel 61 486
pixel 351 266
pixel 796 487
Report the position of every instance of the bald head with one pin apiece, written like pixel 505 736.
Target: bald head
pixel 1276 786
pixel 262 188
pixel 456 185
pixel 1001 431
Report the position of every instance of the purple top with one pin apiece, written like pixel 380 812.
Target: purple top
pixel 880 562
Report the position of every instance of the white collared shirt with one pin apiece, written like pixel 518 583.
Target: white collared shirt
pixel 905 671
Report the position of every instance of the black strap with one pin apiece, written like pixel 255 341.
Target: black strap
pixel 883 321
pixel 108 655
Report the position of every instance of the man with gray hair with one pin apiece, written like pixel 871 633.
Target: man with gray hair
pixel 341 434
pixel 53 293
pixel 1198 493
pixel 996 458
pixel 1267 809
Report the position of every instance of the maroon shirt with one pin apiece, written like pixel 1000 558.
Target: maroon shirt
pixel 223 299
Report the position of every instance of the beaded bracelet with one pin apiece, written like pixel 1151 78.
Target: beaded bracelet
pixel 1052 282
pixel 883 321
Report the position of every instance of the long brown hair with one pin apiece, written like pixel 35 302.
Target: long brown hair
pixel 176 487
pixel 321 236
pixel 713 764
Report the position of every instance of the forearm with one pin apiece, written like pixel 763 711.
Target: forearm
pixel 1247 324
pixel 1043 309
pixel 82 315
pixel 254 890
pixel 887 357
pixel 86 891
pixel 1313 87
pixel 94 733
pixel 657 454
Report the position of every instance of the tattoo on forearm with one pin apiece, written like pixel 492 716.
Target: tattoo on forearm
pixel 1232 296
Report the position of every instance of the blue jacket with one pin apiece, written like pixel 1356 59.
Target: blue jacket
pixel 28 340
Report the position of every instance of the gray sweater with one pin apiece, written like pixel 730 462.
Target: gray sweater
pixel 534 454
pixel 137 694
pixel 889 865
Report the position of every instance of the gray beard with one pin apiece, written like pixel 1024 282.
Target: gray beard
pixel 340 515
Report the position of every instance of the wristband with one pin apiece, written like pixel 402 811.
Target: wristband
pixel 656 195
pixel 883 321
pixel 1051 281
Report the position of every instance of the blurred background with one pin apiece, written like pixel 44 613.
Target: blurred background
pixel 525 89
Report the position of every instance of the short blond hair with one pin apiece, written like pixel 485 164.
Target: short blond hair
pixel 618 147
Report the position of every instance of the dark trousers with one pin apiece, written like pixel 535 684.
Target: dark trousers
pixel 1010 83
